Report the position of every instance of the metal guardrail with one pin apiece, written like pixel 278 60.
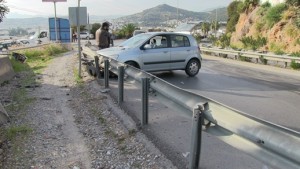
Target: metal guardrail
pixel 271 144
pixel 281 58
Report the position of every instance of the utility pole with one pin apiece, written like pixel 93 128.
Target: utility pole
pixel 78 39
pixel 216 22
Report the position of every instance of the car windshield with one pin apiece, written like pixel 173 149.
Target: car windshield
pixel 135 41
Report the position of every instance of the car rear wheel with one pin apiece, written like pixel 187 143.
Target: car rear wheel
pixel 192 67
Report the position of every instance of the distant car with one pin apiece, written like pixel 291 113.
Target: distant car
pixel 86 35
pixel 136 32
pixel 158 51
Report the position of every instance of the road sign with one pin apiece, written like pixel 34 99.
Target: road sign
pixel 73 15
pixel 54 0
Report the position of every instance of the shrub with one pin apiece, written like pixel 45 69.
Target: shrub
pixel 295 65
pixel 266 5
pixel 293 2
pixel 224 40
pixel 233 11
pixel 263 60
pixel 274 14
pixel 296 54
pixel 279 52
pixel 250 42
pixel 244 58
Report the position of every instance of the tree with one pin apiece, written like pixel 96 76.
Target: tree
pixel 95 27
pixel 205 28
pixel 3 10
pixel 129 29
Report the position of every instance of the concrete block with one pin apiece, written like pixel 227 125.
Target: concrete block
pixel 6 70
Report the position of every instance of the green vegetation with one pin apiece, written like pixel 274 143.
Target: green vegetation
pixel 293 2
pixel 224 40
pixel 244 59
pixel 295 54
pixel 295 65
pixel 126 31
pixel 95 27
pixel 263 60
pixel 37 59
pixel 274 14
pixel 14 131
pixel 233 15
pixel 78 79
pixel 254 44
pixel 276 48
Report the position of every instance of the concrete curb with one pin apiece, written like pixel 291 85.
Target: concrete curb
pixel 6 70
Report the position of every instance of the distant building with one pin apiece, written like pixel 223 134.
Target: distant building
pixel 273 2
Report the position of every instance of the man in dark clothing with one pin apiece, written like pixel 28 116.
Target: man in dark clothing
pixel 104 36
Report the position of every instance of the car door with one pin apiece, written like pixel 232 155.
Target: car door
pixel 181 49
pixel 157 56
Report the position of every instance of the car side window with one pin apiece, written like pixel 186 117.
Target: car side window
pixel 157 42
pixel 179 41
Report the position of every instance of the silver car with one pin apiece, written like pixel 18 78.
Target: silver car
pixel 158 51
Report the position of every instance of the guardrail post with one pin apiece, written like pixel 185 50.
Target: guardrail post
pixel 145 100
pixel 97 66
pixel 106 73
pixel 285 64
pixel 121 84
pixel 196 137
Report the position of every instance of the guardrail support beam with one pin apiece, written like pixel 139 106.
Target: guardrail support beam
pixel 97 66
pixel 196 137
pixel 106 73
pixel 121 84
pixel 145 100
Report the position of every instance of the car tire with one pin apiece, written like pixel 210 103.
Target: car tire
pixel 133 64
pixel 192 67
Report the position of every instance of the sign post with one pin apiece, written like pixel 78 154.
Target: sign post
pixel 55 24
pixel 77 17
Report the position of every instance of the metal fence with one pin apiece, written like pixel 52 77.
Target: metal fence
pixel 263 57
pixel 271 144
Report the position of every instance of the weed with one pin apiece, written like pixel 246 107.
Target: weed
pixel 279 52
pixel 245 59
pixel 77 77
pixel 295 54
pixel 274 14
pixel 295 65
pixel 263 60
pixel 14 131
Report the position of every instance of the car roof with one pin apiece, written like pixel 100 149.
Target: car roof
pixel 167 33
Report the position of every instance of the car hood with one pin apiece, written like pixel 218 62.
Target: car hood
pixel 113 51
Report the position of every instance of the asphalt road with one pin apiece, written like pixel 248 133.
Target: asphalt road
pixel 266 92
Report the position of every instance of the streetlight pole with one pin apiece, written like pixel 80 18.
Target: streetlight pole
pixel 216 22
pixel 78 39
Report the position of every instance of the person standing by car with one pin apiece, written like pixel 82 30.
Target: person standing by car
pixel 104 36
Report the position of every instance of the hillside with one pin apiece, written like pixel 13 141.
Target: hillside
pixel 163 13
pixel 279 28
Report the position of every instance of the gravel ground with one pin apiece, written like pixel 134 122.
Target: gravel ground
pixel 63 124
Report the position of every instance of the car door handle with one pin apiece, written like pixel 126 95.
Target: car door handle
pixel 188 50
pixel 165 51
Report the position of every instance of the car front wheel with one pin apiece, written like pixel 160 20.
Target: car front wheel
pixel 192 67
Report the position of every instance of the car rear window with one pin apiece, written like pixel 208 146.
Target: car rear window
pixel 180 41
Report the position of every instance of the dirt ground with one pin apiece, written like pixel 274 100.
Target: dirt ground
pixel 59 121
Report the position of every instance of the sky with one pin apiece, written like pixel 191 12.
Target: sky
pixel 26 8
